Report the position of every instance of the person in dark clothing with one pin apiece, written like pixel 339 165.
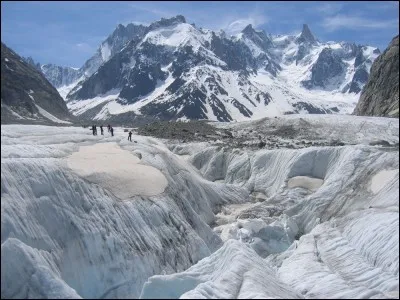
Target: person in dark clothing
pixel 93 130
pixel 112 131
pixel 130 136
pixel 101 129
pixel 109 127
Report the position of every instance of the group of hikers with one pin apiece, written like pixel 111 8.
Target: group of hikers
pixel 110 129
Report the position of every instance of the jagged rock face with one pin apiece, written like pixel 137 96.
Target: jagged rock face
pixel 257 37
pixel 351 50
pixel 170 69
pixel 306 41
pixel 380 96
pixel 25 92
pixel 58 76
pixel 134 72
pixel 327 67
pixel 112 45
pixel 167 22
pixel 235 54
pixel 359 79
pixel 359 58
pixel 148 75
pixel 118 39
pixel 302 52
pixel 30 61
pixel 306 36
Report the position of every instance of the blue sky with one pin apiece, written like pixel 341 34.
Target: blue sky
pixel 68 33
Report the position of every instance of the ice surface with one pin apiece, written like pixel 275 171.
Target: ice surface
pixel 234 271
pixel 66 236
pixel 348 246
pixel 97 245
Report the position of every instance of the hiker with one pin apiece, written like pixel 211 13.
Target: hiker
pixel 101 129
pixel 93 129
pixel 109 127
pixel 130 136
pixel 112 131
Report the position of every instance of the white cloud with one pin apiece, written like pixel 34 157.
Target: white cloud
pixel 356 22
pixel 238 25
pixel 155 11
pixel 84 47
pixel 329 8
pixel 125 23
pixel 141 23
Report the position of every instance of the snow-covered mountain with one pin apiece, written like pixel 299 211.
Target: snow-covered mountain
pixel 62 78
pixel 58 76
pixel 172 69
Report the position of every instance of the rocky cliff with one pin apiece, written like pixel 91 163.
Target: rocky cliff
pixel 26 95
pixel 380 96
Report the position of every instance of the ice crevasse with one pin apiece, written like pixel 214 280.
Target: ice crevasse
pixel 65 234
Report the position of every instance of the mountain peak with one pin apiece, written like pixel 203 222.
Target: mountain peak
pixel 306 35
pixel 176 20
pixel 164 22
pixel 248 29
pixel 179 18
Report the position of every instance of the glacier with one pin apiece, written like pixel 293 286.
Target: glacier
pixel 82 218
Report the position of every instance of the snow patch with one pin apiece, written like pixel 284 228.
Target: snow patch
pixel 78 107
pixel 306 182
pixel 49 116
pixel 105 52
pixel 176 36
pixel 117 170
pixel 65 89
pixel 381 179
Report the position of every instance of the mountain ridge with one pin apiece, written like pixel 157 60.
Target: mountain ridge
pixel 171 68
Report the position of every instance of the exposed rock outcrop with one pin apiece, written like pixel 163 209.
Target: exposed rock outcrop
pixel 380 96
pixel 26 95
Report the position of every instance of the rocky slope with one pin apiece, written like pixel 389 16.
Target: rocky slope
pixel 26 95
pixel 380 96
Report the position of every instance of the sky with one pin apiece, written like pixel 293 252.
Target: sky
pixel 67 33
